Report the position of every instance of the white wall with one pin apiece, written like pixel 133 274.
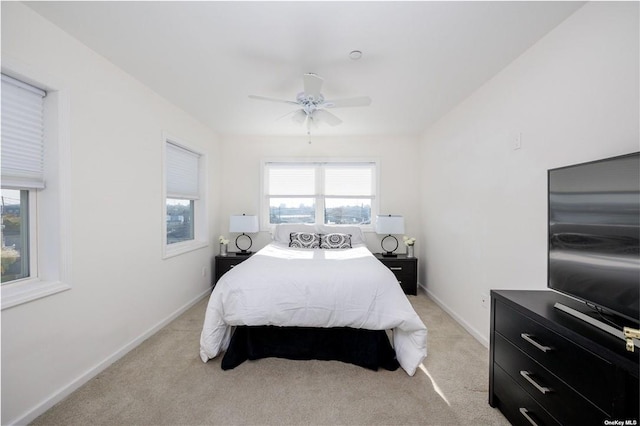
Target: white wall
pixel 397 162
pixel 573 97
pixel 477 206
pixel 122 289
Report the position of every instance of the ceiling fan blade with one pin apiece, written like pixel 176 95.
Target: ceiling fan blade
pixel 348 102
pixel 312 85
pixel 264 98
pixel 285 115
pixel 299 116
pixel 327 117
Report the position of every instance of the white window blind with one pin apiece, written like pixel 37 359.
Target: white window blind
pixel 22 135
pixel 349 180
pixel 182 173
pixel 291 180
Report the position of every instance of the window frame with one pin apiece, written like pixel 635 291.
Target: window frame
pixel 50 208
pixel 319 197
pixel 200 205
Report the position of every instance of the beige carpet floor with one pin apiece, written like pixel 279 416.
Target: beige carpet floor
pixel 164 382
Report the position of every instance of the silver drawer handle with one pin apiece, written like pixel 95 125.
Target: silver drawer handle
pixel 528 338
pixel 232 266
pixel 544 390
pixel 525 414
pixel 396 268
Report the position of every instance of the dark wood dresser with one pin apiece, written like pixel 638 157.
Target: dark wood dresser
pixel 549 368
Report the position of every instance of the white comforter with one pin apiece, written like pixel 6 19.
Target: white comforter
pixel 282 286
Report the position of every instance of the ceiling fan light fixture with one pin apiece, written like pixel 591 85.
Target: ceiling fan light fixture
pixel 312 106
pixel 355 55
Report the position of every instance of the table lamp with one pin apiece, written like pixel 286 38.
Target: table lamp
pixel 388 225
pixel 243 223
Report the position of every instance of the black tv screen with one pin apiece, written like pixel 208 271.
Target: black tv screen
pixel 594 234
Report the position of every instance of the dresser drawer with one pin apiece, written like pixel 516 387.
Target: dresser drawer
pixel 516 404
pixel 582 370
pixel 549 391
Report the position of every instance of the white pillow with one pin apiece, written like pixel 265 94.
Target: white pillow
pixel 283 231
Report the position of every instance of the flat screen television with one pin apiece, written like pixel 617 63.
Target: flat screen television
pixel 594 235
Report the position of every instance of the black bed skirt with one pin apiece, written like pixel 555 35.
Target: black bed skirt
pixel 366 348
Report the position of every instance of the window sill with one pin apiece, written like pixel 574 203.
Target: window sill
pixel 181 248
pixel 27 290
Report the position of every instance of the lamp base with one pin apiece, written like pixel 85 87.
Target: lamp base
pixel 389 254
pixel 243 253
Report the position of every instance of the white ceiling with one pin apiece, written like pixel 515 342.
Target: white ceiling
pixel 419 58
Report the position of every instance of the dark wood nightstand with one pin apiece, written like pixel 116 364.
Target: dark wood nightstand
pixel 405 269
pixel 225 263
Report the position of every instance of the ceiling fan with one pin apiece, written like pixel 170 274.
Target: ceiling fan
pixel 312 104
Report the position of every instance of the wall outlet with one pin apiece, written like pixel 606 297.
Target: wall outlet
pixel 204 271
pixel 484 300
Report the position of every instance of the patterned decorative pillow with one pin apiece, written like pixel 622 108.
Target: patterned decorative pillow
pixel 335 241
pixel 304 240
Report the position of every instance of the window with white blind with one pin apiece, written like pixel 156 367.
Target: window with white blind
pixel 22 176
pixel 184 209
pixel 36 197
pixel 332 192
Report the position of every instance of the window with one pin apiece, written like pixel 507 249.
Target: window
pixel 179 220
pixel 336 193
pixel 184 207
pixel 15 235
pixel 36 258
pixel 22 175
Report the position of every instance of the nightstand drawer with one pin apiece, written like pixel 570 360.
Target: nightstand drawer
pixel 408 285
pixel 225 263
pixel 407 282
pixel 582 370
pixel 399 266
pixel 402 273
pixel 405 269
pixel 229 263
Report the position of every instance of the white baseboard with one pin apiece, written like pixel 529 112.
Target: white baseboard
pixel 477 335
pixel 67 390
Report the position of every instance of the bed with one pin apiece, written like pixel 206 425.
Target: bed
pixel 310 288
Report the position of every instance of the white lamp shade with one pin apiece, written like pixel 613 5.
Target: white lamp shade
pixel 243 223
pixel 389 224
